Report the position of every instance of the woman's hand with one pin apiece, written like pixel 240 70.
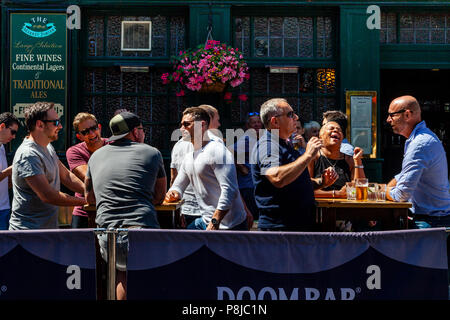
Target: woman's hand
pixel 357 155
pixel 329 176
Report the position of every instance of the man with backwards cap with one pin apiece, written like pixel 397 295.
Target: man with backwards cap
pixel 125 179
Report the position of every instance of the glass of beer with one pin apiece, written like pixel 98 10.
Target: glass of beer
pixel 361 189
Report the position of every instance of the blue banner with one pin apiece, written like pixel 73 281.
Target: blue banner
pixel 53 264
pixel 231 265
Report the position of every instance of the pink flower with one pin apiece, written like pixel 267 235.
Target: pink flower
pixel 180 93
pixel 164 78
pixel 227 96
pixel 242 97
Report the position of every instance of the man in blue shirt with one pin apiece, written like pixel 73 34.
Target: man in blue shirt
pixel 424 176
pixel 284 192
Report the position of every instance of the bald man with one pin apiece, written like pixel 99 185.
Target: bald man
pixel 424 176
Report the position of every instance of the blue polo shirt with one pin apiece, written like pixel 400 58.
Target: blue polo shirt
pixel 291 207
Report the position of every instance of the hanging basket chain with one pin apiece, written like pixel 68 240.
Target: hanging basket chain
pixel 210 25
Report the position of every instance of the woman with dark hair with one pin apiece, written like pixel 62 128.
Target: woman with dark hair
pixel 347 168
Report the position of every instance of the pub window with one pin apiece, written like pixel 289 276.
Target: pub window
pixel 417 28
pixel 310 92
pixel 300 37
pixel 106 88
pixel 143 93
pixel 104 36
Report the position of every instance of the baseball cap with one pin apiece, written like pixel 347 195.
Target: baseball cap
pixel 122 124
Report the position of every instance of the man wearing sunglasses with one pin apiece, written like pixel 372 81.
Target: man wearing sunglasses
pixel 88 130
pixel 37 173
pixel 284 191
pixel 209 168
pixel 423 179
pixel 9 125
pixel 190 209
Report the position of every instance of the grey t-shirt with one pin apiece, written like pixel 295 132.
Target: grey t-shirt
pixel 123 175
pixel 28 210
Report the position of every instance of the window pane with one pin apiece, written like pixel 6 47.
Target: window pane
pixel 306 109
pixel 159 37
pixel 242 33
pixel 326 81
pixel 276 27
pixel 95 36
pixel 286 36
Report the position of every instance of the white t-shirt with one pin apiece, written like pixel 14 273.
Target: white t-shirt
pixel 212 174
pixel 4 195
pixel 179 151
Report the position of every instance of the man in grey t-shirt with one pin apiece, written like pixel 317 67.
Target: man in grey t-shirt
pixel 125 179
pixel 37 173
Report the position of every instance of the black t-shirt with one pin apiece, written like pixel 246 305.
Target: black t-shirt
pixel 290 207
pixel 340 166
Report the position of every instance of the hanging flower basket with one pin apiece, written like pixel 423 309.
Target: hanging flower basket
pixel 209 68
pixel 216 87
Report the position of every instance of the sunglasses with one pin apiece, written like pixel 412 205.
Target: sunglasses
pixel 87 130
pixel 186 123
pixel 56 122
pixel 250 114
pixel 13 132
pixel 390 114
pixel 290 114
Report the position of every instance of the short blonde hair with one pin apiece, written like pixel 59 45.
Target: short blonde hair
pixel 82 116
pixel 210 110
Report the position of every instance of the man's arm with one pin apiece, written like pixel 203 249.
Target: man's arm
pixel 70 180
pixel 160 190
pixel 285 174
pixel 89 194
pixel 219 215
pixel 47 194
pixel 389 186
pixel 5 173
pixel 173 175
pixel 80 171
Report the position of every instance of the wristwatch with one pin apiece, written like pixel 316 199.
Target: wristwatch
pixel 215 222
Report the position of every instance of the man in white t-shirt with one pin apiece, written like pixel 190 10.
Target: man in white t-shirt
pixel 190 209
pixel 210 169
pixel 9 125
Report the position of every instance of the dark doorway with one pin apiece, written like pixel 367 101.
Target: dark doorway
pixel 432 90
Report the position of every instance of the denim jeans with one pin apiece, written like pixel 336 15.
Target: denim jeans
pixel 199 224
pixel 4 219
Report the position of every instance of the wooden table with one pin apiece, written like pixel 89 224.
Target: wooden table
pixel 172 208
pixel 392 215
pixel 167 212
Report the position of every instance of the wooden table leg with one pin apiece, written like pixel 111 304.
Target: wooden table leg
pixel 329 219
pixel 401 214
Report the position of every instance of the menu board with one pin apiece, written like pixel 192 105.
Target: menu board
pixel 361 111
pixel 38 67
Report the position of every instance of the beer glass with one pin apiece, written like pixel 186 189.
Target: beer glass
pixel 372 192
pixel 351 191
pixel 381 192
pixel 361 189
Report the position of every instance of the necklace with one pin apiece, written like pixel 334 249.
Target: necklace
pixel 328 160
